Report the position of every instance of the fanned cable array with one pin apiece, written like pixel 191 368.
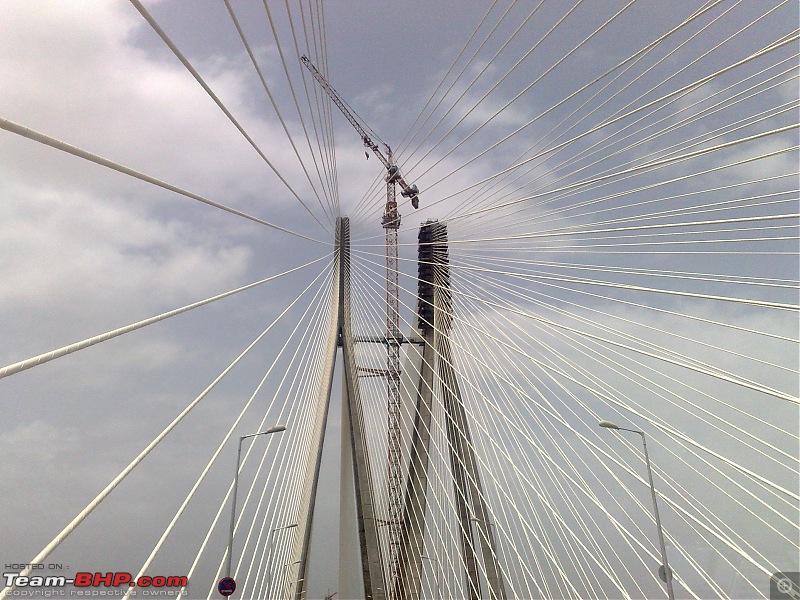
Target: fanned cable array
pixel 607 230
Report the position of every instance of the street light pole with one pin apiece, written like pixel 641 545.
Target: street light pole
pixel 275 429
pixel 269 557
pixel 664 572
pixel 438 574
pixel 495 588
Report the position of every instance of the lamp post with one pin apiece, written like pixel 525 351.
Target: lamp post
pixel 269 557
pixel 480 536
pixel 275 429
pixel 438 574
pixel 664 571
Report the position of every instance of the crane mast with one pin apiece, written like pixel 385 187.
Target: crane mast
pixel 394 473
pixel 391 223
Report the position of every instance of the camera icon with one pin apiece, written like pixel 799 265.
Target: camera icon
pixel 785 586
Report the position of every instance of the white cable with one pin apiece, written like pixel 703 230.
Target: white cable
pixel 64 350
pixel 179 55
pixel 124 473
pixel 75 151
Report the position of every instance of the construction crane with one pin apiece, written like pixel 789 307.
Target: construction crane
pixel 392 171
pixel 394 338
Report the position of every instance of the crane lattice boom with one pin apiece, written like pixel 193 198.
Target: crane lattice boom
pixel 393 173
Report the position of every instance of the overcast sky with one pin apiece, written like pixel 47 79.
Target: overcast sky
pixel 86 249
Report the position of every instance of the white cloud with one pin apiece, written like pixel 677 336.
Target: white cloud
pixel 86 249
pixel 86 260
pixel 72 73
pixel 22 446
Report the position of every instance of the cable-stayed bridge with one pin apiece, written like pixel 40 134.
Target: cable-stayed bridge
pixel 607 230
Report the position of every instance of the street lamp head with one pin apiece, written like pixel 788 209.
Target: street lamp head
pixel 608 425
pixel 276 429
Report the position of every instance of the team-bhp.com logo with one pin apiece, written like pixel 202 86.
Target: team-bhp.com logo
pixel 86 580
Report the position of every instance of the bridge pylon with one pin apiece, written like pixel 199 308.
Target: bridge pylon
pixel 356 492
pixel 437 386
pixel 434 321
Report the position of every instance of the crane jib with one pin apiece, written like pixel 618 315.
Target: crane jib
pixel 393 171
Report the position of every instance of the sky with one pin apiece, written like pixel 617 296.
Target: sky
pixel 86 250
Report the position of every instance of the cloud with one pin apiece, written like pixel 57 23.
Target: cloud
pixel 21 445
pixel 63 239
pixel 85 260
pixel 73 73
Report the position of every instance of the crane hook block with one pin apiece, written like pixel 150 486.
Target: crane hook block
pixel 411 190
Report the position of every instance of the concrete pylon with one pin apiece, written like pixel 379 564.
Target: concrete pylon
pixel 356 493
pixel 297 571
pixel 356 482
pixel 435 314
pixel 409 575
